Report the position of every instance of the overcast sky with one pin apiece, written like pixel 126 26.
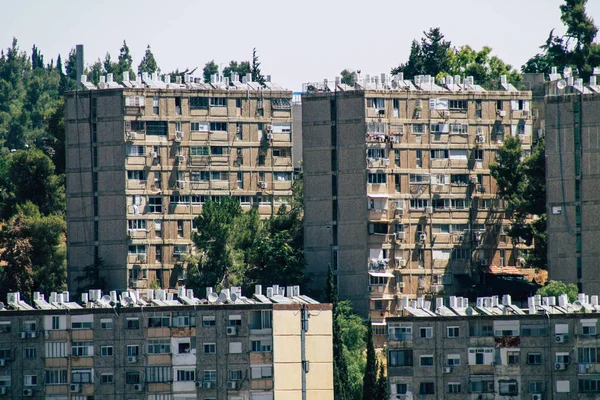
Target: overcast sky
pixel 297 41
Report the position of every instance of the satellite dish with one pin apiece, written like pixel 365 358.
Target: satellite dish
pixel 577 305
pixel 128 302
pixel 213 297
pixel 561 84
pixel 394 85
pixel 224 296
pixel 469 311
pixel 234 297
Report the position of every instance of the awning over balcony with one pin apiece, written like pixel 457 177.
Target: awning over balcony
pixel 378 195
pixel 381 274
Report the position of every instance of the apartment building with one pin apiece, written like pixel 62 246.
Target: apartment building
pixel 398 194
pixel 572 128
pixel 495 350
pixel 157 347
pixel 144 156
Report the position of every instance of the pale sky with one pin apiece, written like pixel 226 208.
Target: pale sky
pixel 297 41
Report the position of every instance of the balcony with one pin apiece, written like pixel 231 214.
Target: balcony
pixel 400 336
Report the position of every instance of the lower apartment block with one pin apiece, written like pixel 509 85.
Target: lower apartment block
pixel 495 350
pixel 157 348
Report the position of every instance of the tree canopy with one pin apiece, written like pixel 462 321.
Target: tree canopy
pixel 556 288
pixel 148 63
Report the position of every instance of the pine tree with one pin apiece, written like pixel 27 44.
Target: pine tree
pixel 382 384
pixel 209 70
pixel 340 368
pixel 108 65
pixel 255 70
pixel 124 63
pixel 370 377
pixel 148 63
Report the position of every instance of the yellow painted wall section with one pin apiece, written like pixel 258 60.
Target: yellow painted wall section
pixel 288 395
pixel 286 322
pixel 319 349
pixel 320 323
pixel 288 376
pixel 320 377
pixel 286 349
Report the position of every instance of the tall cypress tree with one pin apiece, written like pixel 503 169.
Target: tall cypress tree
pixel 382 385
pixel 255 70
pixel 370 378
pixel 340 368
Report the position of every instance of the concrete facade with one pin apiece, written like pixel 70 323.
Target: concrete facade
pixel 572 128
pixel 161 349
pixel 398 194
pixel 141 160
pixel 495 352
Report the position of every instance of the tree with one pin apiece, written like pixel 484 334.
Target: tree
pixel 148 63
pixel 255 70
pixel 210 68
pixel 347 77
pixel 108 65
pixel 575 49
pixel 71 65
pixel 242 69
pixel 485 69
pixel 91 277
pixel 556 288
pixel 340 368
pixel 370 376
pixel 382 392
pixel 95 72
pixel 17 273
pixel 124 63
pixel 427 58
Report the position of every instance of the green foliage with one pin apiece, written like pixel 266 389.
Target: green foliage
pixel 382 392
pixel 210 68
pixel 370 376
pixel 17 273
pixel 575 49
pixel 522 183
pixel 241 68
pixel 347 77
pixel 148 63
pixel 427 58
pixel 352 334
pixel 556 288
pixel 91 277
pixel 257 76
pixel 124 63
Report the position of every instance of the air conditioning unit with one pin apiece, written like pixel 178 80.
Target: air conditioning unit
pixel 181 184
pixel 232 385
pixel 207 385
pixel 560 338
pixel 262 185
pixel 536 396
pixel 153 154
pixel 429 210
pixel 178 136
pixel 560 366
pixel 2 390
pixel 400 235
pixel 179 158
pixel 447 370
pixel 75 388
pixel 402 263
pixel 132 359
pixel 400 285
pixel 480 138
pixel 269 136
pixel 22 335
pixel 437 288
pixel 386 162
pixel 138 387
pixel 131 135
pixel 473 179
pixel 422 237
pixel 141 258
pixel 231 330
pixel 501 113
pixel 399 212
pixel 27 392
pixel 32 334
pixel 198 384
pixel 268 128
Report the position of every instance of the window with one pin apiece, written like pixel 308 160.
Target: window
pixel 106 351
pixel 136 249
pixel 106 323
pixel 218 102
pixel 426 332
pixel 439 154
pixel 235 375
pixel 209 375
pixel 452 331
pixel 401 388
pixel 29 326
pixel 418 178
pixel 513 357
pixel 135 150
pixel 155 204
pixel 481 385
pixel 377 178
pixel 208 321
pixel 457 104
pixel 282 152
pixel 198 103
pixel 459 129
pixel 55 349
pixel 377 103
pixel 156 128
pixel 459 179
pixel 186 375
pixel 30 380
pixel 426 361
pixel 80 324
pixel 133 350
pixel 183 319
pixel 536 387
pixel 30 353
pixel 260 320
pixel 587 355
pixel 262 346
pixel 508 387
pixel 159 346
pixel 426 388
pixel 218 126
pixel 533 330
pixel 262 372
pixel 155 105
pixel 481 356
pixel 82 349
pixel 132 323
pixel 235 320
pixel 589 385
pixel 209 348
pixel 107 379
pixel 81 376
pixel 184 347
pixel 534 358
pixel 55 323
pixel 461 254
pixel 453 387
pixel 216 151
pixel 199 151
pixel 137 175
pixel 418 204
pixel 588 327
pixel 132 378
pixel 418 129
pixel 56 377
pixel 159 374
pixel 453 360
pixel 179 199
pixel 400 358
